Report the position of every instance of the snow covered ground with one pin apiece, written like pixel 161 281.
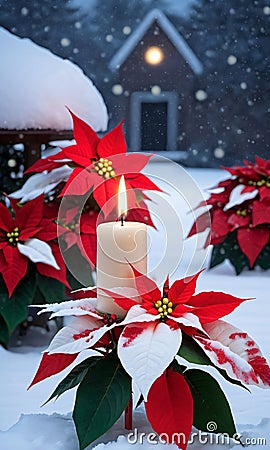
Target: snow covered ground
pixel 27 426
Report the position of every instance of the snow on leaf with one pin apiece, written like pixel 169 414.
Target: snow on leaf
pixel 41 183
pixel 83 307
pixel 146 350
pixel 237 198
pixel 240 343
pixel 38 251
pixel 189 320
pixel 138 314
pixel 79 335
pixel 235 366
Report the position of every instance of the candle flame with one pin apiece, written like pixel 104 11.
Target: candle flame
pixel 122 198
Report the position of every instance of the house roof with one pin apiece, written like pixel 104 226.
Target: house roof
pixel 177 40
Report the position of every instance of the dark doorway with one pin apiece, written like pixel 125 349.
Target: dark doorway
pixel 154 126
pixel 153 121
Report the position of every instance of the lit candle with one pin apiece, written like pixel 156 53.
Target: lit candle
pixel 118 244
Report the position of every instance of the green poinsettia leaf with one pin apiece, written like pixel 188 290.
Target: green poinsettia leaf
pixel 212 411
pixel 218 255
pixel 74 377
pixel 14 310
pixel 192 352
pixel 4 333
pixel 263 259
pixel 74 283
pixel 224 374
pixel 234 253
pixel 51 289
pixel 139 402
pixel 101 398
pixel 229 249
pixel 86 279
pixel 239 262
pixel 178 367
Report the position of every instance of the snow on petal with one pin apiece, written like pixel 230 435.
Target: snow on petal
pixel 38 251
pixel 41 183
pixel 79 335
pixel 241 344
pixel 146 350
pixel 83 307
pixel 189 320
pixel 221 356
pixel 82 293
pixel 138 314
pixel 237 198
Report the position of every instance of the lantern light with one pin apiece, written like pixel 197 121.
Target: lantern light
pixel 154 55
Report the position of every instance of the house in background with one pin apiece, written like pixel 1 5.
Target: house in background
pixel 155 73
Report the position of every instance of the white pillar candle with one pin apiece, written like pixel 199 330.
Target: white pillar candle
pixel 118 244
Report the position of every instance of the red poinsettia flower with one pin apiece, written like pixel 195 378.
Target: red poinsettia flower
pixel 243 206
pixel 79 230
pixel 98 163
pixel 29 236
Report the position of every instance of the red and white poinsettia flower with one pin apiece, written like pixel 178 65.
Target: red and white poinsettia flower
pixel 98 164
pixel 28 237
pixel 150 336
pixel 153 329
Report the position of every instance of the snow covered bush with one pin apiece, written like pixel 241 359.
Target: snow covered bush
pixel 240 217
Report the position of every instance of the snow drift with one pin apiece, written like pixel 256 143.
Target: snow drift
pixel 35 86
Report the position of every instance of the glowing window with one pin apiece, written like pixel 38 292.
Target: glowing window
pixel 154 55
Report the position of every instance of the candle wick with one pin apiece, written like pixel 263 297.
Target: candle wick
pixel 122 218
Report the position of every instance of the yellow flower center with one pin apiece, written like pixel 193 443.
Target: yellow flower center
pixel 104 168
pixel 164 307
pixel 265 181
pixel 242 212
pixel 13 237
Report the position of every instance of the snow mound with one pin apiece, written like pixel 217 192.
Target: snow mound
pixel 35 86
pixel 41 431
pixel 57 432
